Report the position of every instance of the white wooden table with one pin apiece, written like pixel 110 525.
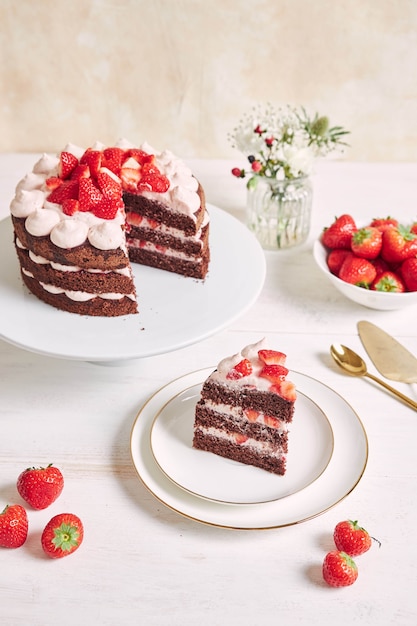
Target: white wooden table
pixel 141 562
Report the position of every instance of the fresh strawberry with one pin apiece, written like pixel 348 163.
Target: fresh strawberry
pixel 336 258
pixel 382 223
pixel 389 282
pixel 81 171
pixel 380 266
pixel 241 369
pixel 339 569
pixel 41 486
pixel 53 182
pixel 272 357
pixel 285 389
pixel 154 182
pixel 239 438
pixel 351 538
pixel 149 168
pixel 107 208
pixel 13 526
pixel 109 185
pixel 67 164
pixel 89 195
pixel 113 159
pixel 398 244
pixel 130 178
pixel 339 234
pixel 413 228
pixel 62 535
pixel 140 156
pixel 409 273
pixel 93 159
pixel 70 206
pixel 68 189
pixel 153 223
pixel 367 242
pixel 357 271
pixel 274 373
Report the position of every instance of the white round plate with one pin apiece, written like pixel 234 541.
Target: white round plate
pixel 216 478
pixel 343 472
pixel 174 311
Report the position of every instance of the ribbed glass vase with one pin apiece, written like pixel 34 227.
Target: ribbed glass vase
pixel 279 211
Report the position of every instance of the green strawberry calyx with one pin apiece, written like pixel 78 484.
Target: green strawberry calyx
pixel 66 537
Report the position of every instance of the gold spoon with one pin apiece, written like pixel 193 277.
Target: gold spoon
pixel 355 365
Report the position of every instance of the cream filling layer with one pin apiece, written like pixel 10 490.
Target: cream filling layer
pixel 261 448
pixel 40 260
pixel 80 296
pixel 151 247
pixel 237 412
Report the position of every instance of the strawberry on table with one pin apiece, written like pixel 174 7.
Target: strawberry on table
pixel 62 535
pixel 367 242
pixel 339 569
pixel 13 526
pixel 339 234
pixel 40 486
pixel 351 538
pixel 389 282
pixel 357 271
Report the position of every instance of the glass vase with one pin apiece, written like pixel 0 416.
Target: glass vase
pixel 279 211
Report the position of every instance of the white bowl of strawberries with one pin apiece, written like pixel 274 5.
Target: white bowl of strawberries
pixel 374 265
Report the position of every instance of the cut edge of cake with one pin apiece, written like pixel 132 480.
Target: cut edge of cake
pixel 82 217
pixel 245 409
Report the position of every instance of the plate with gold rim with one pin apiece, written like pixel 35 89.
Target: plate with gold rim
pixel 342 473
pixel 216 478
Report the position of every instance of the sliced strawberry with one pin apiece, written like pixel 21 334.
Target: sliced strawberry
pixel 239 438
pixel 135 219
pixel 252 415
pixel 240 370
pixel 81 171
pixel 150 168
pixel 272 357
pixel 106 208
pixel 130 178
pixel 140 156
pixel 274 373
pixel 68 189
pixel 93 159
pixel 271 421
pixel 113 159
pixel 153 223
pixel 70 206
pixel 53 182
pixel 285 389
pixel 108 185
pixel 89 196
pixel 157 182
pixel 67 164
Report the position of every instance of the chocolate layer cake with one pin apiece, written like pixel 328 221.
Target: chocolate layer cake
pixel 245 409
pixel 81 217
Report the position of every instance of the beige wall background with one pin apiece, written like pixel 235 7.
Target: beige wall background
pixel 180 73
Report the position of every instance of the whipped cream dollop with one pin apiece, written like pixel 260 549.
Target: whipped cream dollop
pixel 67 231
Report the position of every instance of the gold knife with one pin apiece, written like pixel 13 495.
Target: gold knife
pixel 390 358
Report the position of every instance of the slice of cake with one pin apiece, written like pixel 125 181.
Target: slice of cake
pixel 81 217
pixel 245 409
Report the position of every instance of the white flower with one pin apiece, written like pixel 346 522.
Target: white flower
pixel 247 142
pixel 300 161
